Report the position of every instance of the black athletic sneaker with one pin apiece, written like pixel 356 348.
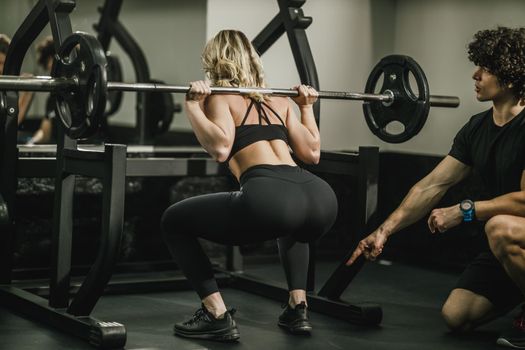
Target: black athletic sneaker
pixel 515 337
pixel 295 320
pixel 203 325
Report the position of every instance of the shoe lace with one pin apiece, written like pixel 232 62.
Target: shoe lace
pixel 519 321
pixel 200 315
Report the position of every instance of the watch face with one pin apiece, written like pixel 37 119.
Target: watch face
pixel 467 205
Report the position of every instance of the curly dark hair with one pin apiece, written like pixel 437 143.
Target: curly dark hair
pixel 45 50
pixel 502 52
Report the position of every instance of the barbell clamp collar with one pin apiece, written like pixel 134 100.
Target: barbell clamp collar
pixel 391 99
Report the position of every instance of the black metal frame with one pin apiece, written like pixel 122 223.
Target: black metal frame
pixel 112 166
pixel 44 12
pixel 74 316
pixel 361 166
pixel 109 165
pixel 109 26
pixel 291 20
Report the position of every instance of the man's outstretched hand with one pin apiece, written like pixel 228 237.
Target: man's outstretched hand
pixel 370 247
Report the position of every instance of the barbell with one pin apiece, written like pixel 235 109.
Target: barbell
pixel 79 81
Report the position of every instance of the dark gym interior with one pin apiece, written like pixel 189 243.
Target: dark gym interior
pixel 83 263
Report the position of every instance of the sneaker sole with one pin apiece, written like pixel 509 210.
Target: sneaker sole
pixel 220 335
pixel 505 342
pixel 301 328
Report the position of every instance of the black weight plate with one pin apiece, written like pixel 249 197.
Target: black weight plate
pixel 409 109
pixel 160 108
pixel 114 73
pixel 81 109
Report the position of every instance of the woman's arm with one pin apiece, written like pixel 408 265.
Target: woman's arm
pixel 425 194
pixel 211 120
pixel 304 136
pixel 421 198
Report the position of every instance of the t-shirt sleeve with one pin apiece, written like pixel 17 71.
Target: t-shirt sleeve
pixel 460 147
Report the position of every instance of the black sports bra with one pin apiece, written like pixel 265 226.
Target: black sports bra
pixel 246 134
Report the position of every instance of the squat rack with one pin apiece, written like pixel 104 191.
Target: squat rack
pixel 148 126
pixel 112 165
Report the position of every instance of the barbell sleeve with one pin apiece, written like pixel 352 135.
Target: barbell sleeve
pixel 443 101
pixel 36 83
pixel 50 84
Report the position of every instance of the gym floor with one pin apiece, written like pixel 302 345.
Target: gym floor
pixel 411 298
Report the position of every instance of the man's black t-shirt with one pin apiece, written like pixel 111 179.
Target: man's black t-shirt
pixel 497 153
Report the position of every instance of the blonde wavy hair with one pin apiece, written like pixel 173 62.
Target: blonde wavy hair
pixel 229 59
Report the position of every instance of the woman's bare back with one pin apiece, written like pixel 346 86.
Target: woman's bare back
pixel 260 152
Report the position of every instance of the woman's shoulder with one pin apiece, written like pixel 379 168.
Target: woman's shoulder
pixel 226 98
pixel 238 102
pixel 221 100
pixel 278 102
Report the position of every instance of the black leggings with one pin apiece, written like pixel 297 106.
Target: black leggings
pixel 274 201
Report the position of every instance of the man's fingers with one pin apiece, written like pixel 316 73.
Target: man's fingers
pixel 377 250
pixel 357 252
pixel 362 247
pixel 378 245
pixel 431 225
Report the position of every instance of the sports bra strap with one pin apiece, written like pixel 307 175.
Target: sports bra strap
pixel 247 112
pixel 274 112
pixel 262 113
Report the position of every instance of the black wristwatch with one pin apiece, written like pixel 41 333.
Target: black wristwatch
pixel 467 208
